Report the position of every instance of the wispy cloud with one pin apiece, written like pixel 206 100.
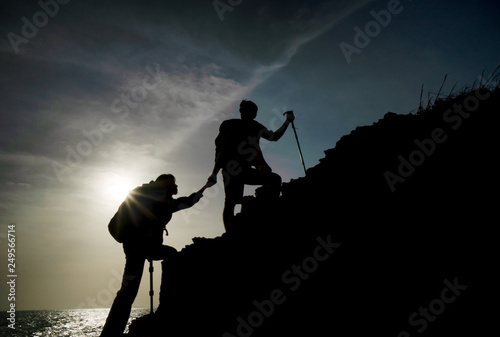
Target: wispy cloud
pixel 324 19
pixel 183 101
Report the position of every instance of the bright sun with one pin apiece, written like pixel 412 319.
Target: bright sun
pixel 117 187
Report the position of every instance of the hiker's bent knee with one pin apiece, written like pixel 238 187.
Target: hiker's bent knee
pixel 276 179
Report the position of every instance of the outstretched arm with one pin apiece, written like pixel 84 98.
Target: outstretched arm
pixel 186 202
pixel 207 185
pixel 212 180
pixel 276 135
pixel 219 145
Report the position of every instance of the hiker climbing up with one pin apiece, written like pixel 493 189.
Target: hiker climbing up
pixel 238 155
pixel 139 224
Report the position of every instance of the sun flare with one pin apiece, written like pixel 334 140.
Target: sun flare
pixel 117 187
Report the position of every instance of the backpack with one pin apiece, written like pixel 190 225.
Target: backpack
pixel 128 221
pixel 122 225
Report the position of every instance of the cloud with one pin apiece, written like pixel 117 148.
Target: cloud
pixel 21 165
pixel 21 185
pixel 76 85
pixel 318 23
pixel 173 112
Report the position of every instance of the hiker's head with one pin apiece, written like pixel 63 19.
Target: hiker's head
pixel 167 182
pixel 248 110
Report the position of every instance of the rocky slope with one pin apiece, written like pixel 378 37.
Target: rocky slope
pixel 391 234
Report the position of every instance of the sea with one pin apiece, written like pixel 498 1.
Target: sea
pixel 58 323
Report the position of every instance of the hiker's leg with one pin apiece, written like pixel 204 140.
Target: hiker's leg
pixel 167 265
pixel 274 181
pixel 120 310
pixel 160 252
pixel 256 177
pixel 228 214
pixel 266 178
pixel 233 188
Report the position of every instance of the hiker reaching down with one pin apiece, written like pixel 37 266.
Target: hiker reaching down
pixel 238 155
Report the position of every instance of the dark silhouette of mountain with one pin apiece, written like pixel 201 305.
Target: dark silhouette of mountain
pixel 391 234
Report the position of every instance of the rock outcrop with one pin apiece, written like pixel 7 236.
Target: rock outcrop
pixel 391 234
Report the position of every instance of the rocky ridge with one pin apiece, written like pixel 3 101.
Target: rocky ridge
pixel 392 234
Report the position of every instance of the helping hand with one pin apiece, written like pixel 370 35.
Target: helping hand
pixel 212 180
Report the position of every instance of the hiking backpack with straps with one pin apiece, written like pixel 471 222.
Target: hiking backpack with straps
pixel 123 224
pixel 128 221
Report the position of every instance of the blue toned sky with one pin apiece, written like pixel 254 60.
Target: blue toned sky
pixel 98 97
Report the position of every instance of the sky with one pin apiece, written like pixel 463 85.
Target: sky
pixel 98 97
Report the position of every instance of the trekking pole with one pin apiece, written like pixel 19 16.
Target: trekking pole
pixel 151 291
pixel 298 145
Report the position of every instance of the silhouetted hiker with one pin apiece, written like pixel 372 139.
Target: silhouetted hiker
pixel 148 208
pixel 238 155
